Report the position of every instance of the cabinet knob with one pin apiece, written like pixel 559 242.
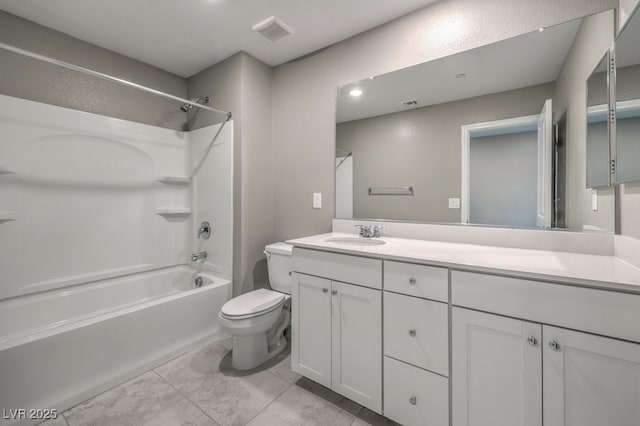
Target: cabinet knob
pixel 325 290
pixel 412 281
pixel 554 345
pixel 532 340
pixel 413 400
pixel 412 332
pixel 334 292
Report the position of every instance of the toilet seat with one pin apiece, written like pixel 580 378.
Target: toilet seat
pixel 252 304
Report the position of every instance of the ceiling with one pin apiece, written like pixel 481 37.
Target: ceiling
pixel 187 36
pixel 523 61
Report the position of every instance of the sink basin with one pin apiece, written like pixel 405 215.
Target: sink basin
pixel 355 241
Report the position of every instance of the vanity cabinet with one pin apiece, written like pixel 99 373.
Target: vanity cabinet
pixel 589 380
pixel 451 347
pixel 497 370
pixel 337 327
pixel 508 371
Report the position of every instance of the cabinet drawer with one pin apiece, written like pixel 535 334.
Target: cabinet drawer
pixel 596 311
pixel 413 396
pixel 416 331
pixel 429 282
pixel 339 267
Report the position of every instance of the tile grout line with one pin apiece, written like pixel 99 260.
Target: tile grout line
pixel 185 397
pixel 274 400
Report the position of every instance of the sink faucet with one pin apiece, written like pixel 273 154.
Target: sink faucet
pixel 370 231
pixel 198 256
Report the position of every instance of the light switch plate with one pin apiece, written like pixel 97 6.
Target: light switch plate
pixel 317 200
pixel 454 203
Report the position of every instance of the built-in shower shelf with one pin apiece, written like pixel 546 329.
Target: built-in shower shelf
pixel 173 213
pixel 6 216
pixel 174 180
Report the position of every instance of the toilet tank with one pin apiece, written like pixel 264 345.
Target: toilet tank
pixel 280 264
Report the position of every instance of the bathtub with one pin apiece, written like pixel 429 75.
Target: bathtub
pixel 62 347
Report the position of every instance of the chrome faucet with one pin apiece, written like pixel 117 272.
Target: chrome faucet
pixel 370 231
pixel 198 256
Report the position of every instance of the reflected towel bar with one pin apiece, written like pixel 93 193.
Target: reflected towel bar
pixel 399 190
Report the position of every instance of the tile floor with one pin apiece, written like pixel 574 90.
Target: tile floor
pixel 200 388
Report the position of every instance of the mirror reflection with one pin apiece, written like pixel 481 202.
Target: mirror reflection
pixel 628 101
pixel 598 126
pixel 470 138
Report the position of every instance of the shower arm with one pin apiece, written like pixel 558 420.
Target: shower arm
pixel 107 77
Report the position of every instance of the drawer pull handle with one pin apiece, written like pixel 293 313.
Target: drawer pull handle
pixel 532 340
pixel 413 400
pixel 554 345
pixel 325 290
pixel 334 292
pixel 412 332
pixel 412 281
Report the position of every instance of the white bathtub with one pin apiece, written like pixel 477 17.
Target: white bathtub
pixel 62 347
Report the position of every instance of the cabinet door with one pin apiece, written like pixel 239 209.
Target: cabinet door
pixel 311 328
pixel 496 370
pixel 357 344
pixel 590 380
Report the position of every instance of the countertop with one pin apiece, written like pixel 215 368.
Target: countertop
pixel 595 271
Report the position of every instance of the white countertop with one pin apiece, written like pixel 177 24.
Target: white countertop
pixel 605 272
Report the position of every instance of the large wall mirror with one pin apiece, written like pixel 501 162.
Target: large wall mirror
pixel 627 52
pixel 477 137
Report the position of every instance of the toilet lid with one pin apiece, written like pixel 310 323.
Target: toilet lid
pixel 253 303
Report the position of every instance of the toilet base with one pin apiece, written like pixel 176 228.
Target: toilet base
pixel 252 351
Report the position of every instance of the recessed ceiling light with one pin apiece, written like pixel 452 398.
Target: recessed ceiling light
pixel 355 92
pixel 541 29
pixel 461 75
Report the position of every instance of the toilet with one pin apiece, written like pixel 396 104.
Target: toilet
pixel 257 320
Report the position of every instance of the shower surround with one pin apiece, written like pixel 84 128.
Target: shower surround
pixel 87 201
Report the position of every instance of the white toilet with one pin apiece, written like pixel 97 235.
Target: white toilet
pixel 257 320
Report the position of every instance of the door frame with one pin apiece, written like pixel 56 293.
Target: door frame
pixel 488 128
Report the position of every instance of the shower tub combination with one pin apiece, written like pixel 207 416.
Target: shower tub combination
pixel 62 347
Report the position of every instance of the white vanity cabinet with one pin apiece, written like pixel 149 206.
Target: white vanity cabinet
pixel 496 370
pixel 589 380
pixel 416 344
pixel 508 371
pixel 461 345
pixel 337 326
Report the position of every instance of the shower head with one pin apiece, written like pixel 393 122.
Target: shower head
pixel 202 100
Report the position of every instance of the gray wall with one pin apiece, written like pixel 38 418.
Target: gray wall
pixel 422 148
pixel 503 181
pixel 242 84
pixel 38 81
pixel 628 83
pixel 304 91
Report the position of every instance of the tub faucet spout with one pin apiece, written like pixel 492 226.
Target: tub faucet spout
pixel 198 256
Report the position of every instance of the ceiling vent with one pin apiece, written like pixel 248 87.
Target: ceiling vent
pixel 273 29
pixel 412 102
